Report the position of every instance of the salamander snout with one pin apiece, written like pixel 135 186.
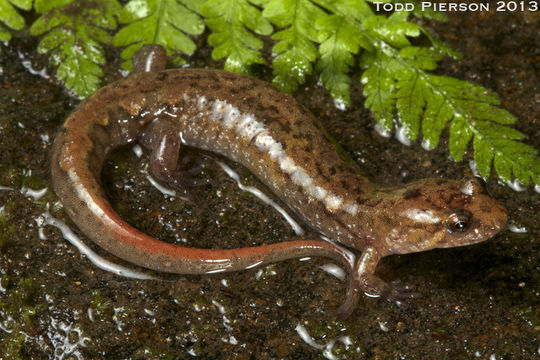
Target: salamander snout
pixel 439 213
pixel 477 218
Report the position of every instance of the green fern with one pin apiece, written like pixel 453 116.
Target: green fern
pixel 73 37
pixel 399 86
pixel 295 46
pixel 10 17
pixel 42 6
pixel 231 22
pixel 165 22
pixel 339 42
pixel 340 39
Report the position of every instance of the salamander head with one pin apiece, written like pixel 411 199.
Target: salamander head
pixel 437 213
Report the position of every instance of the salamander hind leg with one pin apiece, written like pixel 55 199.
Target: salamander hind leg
pixel 162 138
pixel 364 280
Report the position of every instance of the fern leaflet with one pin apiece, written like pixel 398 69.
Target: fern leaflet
pixel 73 35
pixel 164 22
pixel 10 17
pixel 230 20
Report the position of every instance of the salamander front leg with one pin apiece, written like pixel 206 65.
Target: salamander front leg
pixel 163 140
pixel 364 280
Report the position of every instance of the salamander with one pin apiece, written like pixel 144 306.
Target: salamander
pixel 278 140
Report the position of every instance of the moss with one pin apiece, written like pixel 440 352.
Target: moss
pixel 19 310
pixel 147 352
pixel 12 346
pixel 23 293
pixel 8 176
pixel 10 205
pixel 16 178
pixel 32 182
pixel 7 231
pixel 529 314
pixel 101 307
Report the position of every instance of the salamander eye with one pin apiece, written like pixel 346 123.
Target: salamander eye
pixel 458 221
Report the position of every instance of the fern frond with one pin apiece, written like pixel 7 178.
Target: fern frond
pixel 164 22
pixel 295 48
pixel 231 22
pixel 10 17
pixel 74 35
pixel 339 41
pixel 398 86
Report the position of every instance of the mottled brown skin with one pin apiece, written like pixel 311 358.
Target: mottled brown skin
pixel 281 144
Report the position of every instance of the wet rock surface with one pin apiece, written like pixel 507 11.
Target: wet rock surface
pixel 477 301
